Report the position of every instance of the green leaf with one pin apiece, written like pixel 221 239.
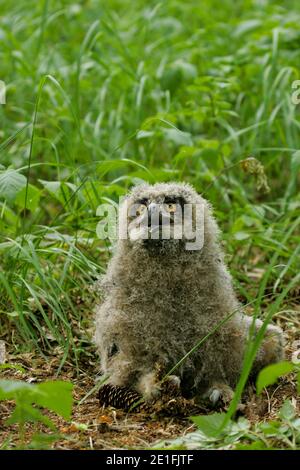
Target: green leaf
pixel 188 70
pixel 176 74
pixel 144 134
pixel 11 182
pixel 241 235
pixel 56 396
pixel 287 411
pixel 270 374
pixel 60 190
pixel 43 441
pixel 178 137
pixel 171 79
pixel 33 198
pixel 246 27
pixel 298 382
pixel 24 412
pixel 11 389
pixel 12 366
pixel 210 424
pixel 53 187
pixel 256 445
pixel 270 428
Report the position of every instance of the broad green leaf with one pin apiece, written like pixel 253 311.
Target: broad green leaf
pixel 188 70
pixel 10 389
pixel 178 137
pixel 11 182
pixel 256 445
pixel 33 198
pixel 24 412
pixel 209 424
pixel 186 152
pixel 213 156
pixel 178 73
pixel 270 374
pixel 270 428
pixel 56 396
pixel 52 186
pixel 171 79
pixel 61 190
pixel 287 411
pixel 43 441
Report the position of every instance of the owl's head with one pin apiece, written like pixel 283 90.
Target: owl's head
pixel 165 216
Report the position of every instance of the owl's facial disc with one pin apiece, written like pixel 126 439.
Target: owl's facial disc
pixel 155 222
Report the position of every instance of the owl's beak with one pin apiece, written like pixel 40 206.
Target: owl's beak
pixel 153 213
pixel 157 216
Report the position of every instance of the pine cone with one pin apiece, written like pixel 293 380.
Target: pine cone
pixel 120 397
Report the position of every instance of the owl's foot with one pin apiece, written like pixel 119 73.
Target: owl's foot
pixel 151 388
pixel 271 349
pixel 219 394
pixel 171 386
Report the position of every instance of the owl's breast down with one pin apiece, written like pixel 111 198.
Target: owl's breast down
pixel 160 327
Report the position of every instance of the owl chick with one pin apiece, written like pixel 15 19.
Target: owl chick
pixel 165 289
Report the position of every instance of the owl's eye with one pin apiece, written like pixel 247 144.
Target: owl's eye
pixel 141 209
pixel 171 207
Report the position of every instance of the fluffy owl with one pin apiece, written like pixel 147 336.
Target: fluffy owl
pixel 166 288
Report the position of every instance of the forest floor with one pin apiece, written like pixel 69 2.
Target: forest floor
pixel 95 427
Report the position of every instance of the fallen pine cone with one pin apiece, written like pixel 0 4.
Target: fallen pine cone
pixel 168 404
pixel 120 397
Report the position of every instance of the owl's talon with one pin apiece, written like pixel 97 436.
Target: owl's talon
pixel 173 380
pixel 171 385
pixel 219 394
pixel 215 396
